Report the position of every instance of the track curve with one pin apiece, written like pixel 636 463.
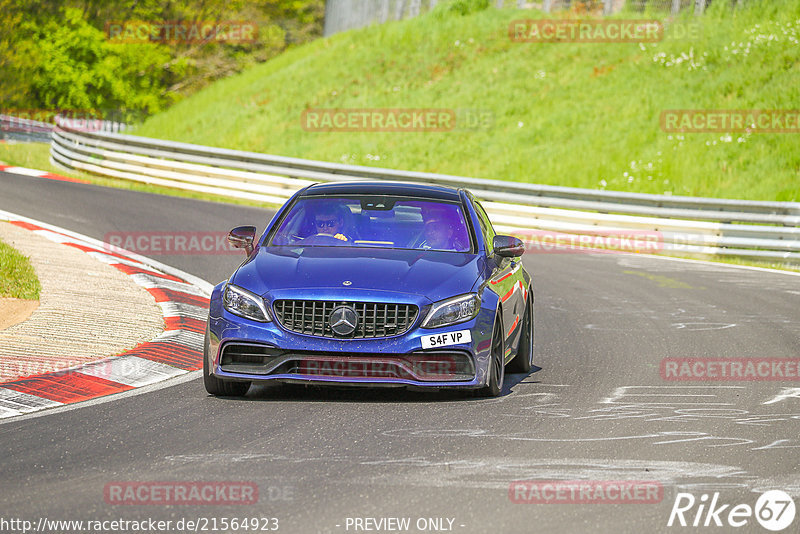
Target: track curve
pixel 596 407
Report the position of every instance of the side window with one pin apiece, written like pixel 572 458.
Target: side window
pixel 486 227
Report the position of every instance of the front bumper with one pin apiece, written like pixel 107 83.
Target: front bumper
pixel 241 349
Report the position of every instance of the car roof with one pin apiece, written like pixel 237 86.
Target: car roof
pixel 383 188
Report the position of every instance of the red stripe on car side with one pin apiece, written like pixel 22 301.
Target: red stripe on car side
pixel 502 278
pixel 513 326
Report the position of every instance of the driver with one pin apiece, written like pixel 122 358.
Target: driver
pixel 329 221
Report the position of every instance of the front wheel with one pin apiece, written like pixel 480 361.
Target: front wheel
pixel 214 385
pixel 523 361
pixel 494 385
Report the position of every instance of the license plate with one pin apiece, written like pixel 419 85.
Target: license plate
pixel 445 339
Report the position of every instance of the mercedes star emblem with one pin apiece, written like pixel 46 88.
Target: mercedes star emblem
pixel 343 320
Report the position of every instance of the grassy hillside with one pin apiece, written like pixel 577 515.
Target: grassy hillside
pixel 17 277
pixel 584 115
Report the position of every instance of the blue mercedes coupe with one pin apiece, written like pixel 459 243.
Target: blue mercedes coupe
pixel 373 283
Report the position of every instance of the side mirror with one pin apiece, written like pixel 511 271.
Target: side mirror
pixel 243 237
pixel 508 246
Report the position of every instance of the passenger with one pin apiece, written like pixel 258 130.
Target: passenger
pixel 443 230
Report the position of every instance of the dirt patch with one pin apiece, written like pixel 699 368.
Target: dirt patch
pixel 14 311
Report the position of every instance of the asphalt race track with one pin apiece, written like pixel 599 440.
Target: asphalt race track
pixel 596 406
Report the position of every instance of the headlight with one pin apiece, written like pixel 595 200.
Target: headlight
pixel 245 304
pixel 452 311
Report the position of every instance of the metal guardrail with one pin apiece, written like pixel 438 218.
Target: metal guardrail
pixel 20 129
pixel 342 15
pixel 689 226
pixel 24 129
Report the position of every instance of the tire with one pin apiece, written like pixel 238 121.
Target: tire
pixel 215 386
pixel 497 367
pixel 523 361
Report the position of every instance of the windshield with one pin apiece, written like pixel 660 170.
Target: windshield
pixel 384 221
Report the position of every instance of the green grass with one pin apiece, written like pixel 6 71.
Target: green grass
pixel 33 156
pixel 37 156
pixel 778 266
pixel 584 115
pixel 17 277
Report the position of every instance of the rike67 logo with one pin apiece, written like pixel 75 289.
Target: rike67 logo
pixel 774 510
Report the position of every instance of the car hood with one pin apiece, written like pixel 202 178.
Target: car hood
pixel 322 272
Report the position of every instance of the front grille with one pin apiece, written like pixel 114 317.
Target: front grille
pixel 375 319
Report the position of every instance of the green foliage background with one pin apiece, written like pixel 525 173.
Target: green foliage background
pixel 54 55
pixel 569 114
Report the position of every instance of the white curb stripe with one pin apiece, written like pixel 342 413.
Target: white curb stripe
pixel 114 260
pixel 178 309
pixel 193 340
pixel 6 413
pixel 15 403
pixel 61 238
pixel 25 171
pixel 155 282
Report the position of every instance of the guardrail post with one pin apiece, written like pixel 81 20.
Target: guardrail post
pixel 547 6
pixel 401 8
pixel 676 7
pixel 384 11
pixel 328 26
pixel 700 7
